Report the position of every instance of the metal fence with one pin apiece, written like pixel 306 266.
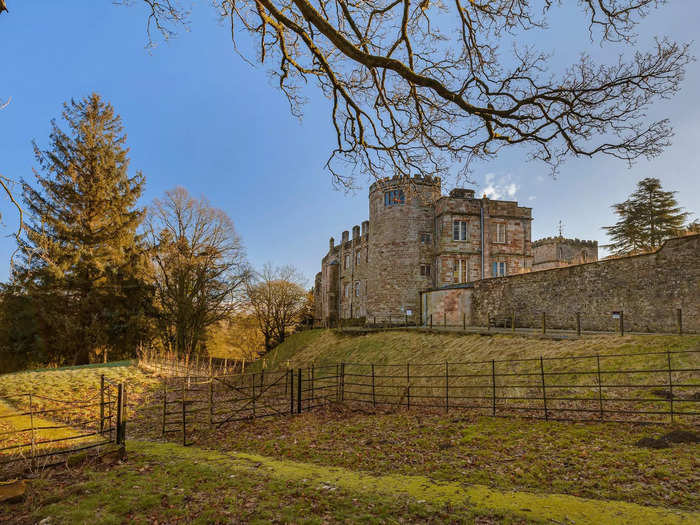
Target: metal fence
pixel 37 429
pixel 659 387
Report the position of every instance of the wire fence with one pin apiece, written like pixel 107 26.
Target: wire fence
pixel 35 429
pixel 658 387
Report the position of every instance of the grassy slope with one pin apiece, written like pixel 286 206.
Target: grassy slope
pixel 330 347
pixel 169 483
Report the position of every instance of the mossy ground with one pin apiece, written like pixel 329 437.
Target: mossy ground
pixel 167 483
pixel 592 460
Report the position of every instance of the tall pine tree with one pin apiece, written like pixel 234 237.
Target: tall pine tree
pixel 82 258
pixel 649 217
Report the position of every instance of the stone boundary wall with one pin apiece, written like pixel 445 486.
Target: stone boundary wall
pixel 648 288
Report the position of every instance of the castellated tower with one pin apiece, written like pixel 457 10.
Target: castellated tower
pixel 401 214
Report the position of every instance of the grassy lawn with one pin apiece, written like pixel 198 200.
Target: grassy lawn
pixel 166 483
pixel 592 460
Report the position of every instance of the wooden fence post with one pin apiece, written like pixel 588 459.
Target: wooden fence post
pixel 406 321
pixel 493 387
pixel 252 389
pixel 31 426
pixel 102 404
pixel 600 387
pixel 578 324
pixel 488 323
pixel 444 319
pixel 512 321
pixel 544 392
pixel 544 322
pixel 670 384
pixel 299 392
pixel 374 399
pixel 679 317
pixel 622 323
pixel 291 391
pixel 313 372
pixel 464 321
pixel 431 321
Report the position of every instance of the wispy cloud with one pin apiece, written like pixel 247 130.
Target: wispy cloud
pixel 500 187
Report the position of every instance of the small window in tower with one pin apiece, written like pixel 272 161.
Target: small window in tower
pixel 347 261
pixel 459 231
pixel 358 257
pixel 347 290
pixel 357 288
pixel 500 233
pixel 425 238
pixel 393 197
pixel 584 255
pixel 425 270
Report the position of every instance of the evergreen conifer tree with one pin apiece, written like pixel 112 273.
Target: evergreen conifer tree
pixel 649 217
pixel 82 260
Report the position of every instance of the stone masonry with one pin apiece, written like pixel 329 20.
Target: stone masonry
pixel 648 289
pixel 417 239
pixel 557 252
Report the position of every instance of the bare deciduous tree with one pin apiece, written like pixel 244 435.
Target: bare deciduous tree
pixel 416 86
pixel 276 297
pixel 199 267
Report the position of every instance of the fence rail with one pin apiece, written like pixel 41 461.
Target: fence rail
pixel 657 387
pixel 35 430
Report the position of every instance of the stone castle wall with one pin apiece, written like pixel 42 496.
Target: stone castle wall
pixel 647 288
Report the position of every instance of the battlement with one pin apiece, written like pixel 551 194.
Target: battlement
pixel 396 180
pixel 563 240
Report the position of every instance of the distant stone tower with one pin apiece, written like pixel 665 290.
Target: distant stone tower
pixel 400 211
pixel 558 252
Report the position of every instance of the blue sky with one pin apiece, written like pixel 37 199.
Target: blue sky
pixel 198 116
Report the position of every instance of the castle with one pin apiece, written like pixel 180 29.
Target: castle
pixel 416 240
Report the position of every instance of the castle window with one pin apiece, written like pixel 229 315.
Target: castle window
pixel 584 255
pixel 459 231
pixel 357 288
pixel 425 270
pixel 499 269
pixel 500 233
pixel 461 271
pixel 394 197
pixel 347 290
pixel 358 257
pixel 347 261
pixel 425 238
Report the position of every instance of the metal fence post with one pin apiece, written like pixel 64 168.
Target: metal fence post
pixel 512 321
pixel 544 392
pixel 252 389
pixel 184 414
pixel 165 403
pixel 102 404
pixel 679 317
pixel 431 321
pixel 299 379
pixel 447 387
pixel 211 396
pixel 342 381
pixel 408 386
pixel 444 319
pixel 493 387
pixel 670 384
pixel 291 391
pixel 600 387
pixel 374 399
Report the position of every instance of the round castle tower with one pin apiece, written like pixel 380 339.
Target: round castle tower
pixel 401 214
